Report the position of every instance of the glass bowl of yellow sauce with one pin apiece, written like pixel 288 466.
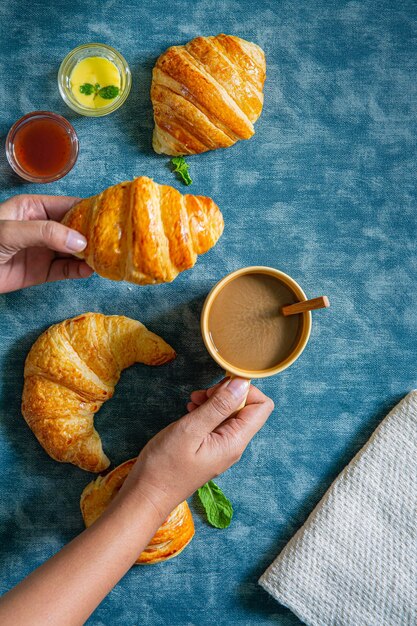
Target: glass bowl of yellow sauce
pixel 94 79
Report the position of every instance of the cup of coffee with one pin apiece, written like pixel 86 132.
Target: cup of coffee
pixel 243 326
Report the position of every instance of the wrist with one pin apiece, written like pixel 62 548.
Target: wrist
pixel 153 501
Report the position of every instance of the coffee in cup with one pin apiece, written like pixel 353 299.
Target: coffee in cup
pixel 243 327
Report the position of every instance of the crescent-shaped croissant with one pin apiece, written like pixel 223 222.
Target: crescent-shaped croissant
pixel 71 369
pixel 206 94
pixel 143 232
pixel 170 539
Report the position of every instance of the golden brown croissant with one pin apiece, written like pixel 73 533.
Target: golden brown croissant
pixel 206 94
pixel 144 232
pixel 71 370
pixel 170 539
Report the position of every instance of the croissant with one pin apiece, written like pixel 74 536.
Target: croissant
pixel 170 539
pixel 144 232
pixel 206 94
pixel 71 369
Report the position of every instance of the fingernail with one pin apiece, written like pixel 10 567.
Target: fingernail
pixel 75 242
pixel 238 386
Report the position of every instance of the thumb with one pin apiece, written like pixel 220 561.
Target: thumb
pixel 17 235
pixel 221 404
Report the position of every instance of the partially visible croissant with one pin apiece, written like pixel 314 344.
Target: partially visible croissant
pixel 71 370
pixel 170 539
pixel 206 94
pixel 143 232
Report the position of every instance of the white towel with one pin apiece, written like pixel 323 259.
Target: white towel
pixel 354 562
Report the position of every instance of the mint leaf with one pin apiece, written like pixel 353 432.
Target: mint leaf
pixel 109 92
pixel 87 89
pixel 181 167
pixel 218 508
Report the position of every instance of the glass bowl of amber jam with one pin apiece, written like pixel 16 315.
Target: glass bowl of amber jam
pixel 42 147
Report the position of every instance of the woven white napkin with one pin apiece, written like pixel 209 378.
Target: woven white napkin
pixel 354 562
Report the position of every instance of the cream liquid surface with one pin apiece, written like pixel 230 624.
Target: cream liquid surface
pixel 246 325
pixel 94 70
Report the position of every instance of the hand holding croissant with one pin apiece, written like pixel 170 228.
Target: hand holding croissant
pixel 140 231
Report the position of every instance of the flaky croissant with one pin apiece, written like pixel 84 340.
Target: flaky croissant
pixel 170 539
pixel 143 232
pixel 206 94
pixel 71 369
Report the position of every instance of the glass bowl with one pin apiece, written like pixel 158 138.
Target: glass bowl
pixel 83 52
pixel 19 167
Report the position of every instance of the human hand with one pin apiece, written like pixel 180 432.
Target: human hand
pixel 181 458
pixel 199 446
pixel 34 247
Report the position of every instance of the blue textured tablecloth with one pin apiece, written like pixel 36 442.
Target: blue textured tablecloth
pixel 325 191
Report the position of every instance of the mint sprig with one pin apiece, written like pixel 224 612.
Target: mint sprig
pixel 218 508
pixel 107 93
pixel 181 168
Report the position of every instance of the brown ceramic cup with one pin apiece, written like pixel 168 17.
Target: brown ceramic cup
pixel 297 349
